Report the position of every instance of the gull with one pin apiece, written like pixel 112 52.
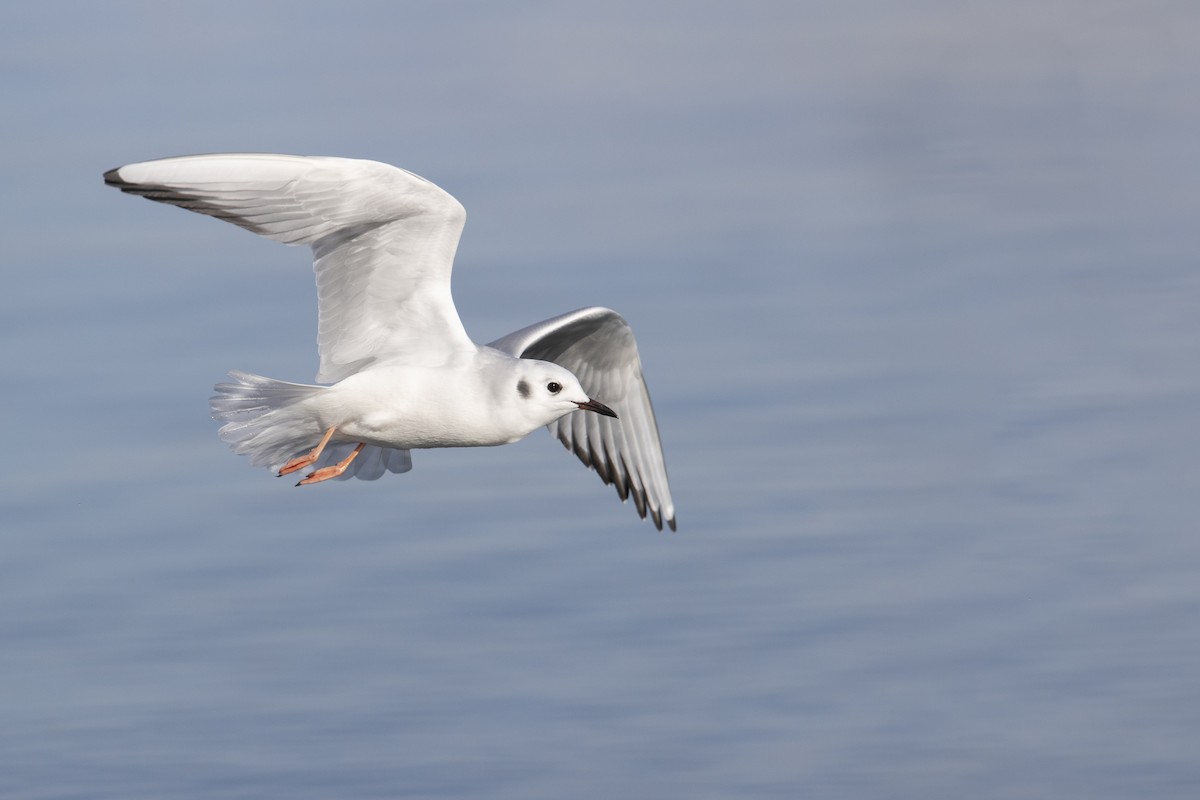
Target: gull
pixel 398 371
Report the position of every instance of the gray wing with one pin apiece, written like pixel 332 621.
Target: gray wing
pixel 597 345
pixel 383 242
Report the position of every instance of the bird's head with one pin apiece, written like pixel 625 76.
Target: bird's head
pixel 545 391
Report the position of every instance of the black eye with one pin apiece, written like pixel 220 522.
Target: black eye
pixel 554 387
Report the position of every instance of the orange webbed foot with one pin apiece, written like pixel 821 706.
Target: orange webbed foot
pixel 300 462
pixel 325 473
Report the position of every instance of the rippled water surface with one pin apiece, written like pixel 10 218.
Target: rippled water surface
pixel 916 290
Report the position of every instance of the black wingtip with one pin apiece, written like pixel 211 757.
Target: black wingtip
pixel 657 517
pixel 113 178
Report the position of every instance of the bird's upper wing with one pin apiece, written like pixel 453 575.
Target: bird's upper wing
pixel 597 345
pixel 383 242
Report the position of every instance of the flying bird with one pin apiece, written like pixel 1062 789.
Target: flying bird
pixel 399 372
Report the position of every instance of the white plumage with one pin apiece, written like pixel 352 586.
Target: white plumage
pixel 404 373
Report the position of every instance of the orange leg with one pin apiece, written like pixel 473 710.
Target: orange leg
pixel 325 473
pixel 300 462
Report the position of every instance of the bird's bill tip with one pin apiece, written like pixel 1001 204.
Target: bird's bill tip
pixel 598 407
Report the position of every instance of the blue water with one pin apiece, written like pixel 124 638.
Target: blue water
pixel 916 290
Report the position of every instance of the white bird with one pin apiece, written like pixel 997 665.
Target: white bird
pixel 404 374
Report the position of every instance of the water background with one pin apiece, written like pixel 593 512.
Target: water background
pixel 917 292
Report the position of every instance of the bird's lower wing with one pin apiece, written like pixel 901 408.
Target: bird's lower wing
pixel 598 346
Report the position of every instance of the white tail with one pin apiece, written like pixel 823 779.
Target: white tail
pixel 266 420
